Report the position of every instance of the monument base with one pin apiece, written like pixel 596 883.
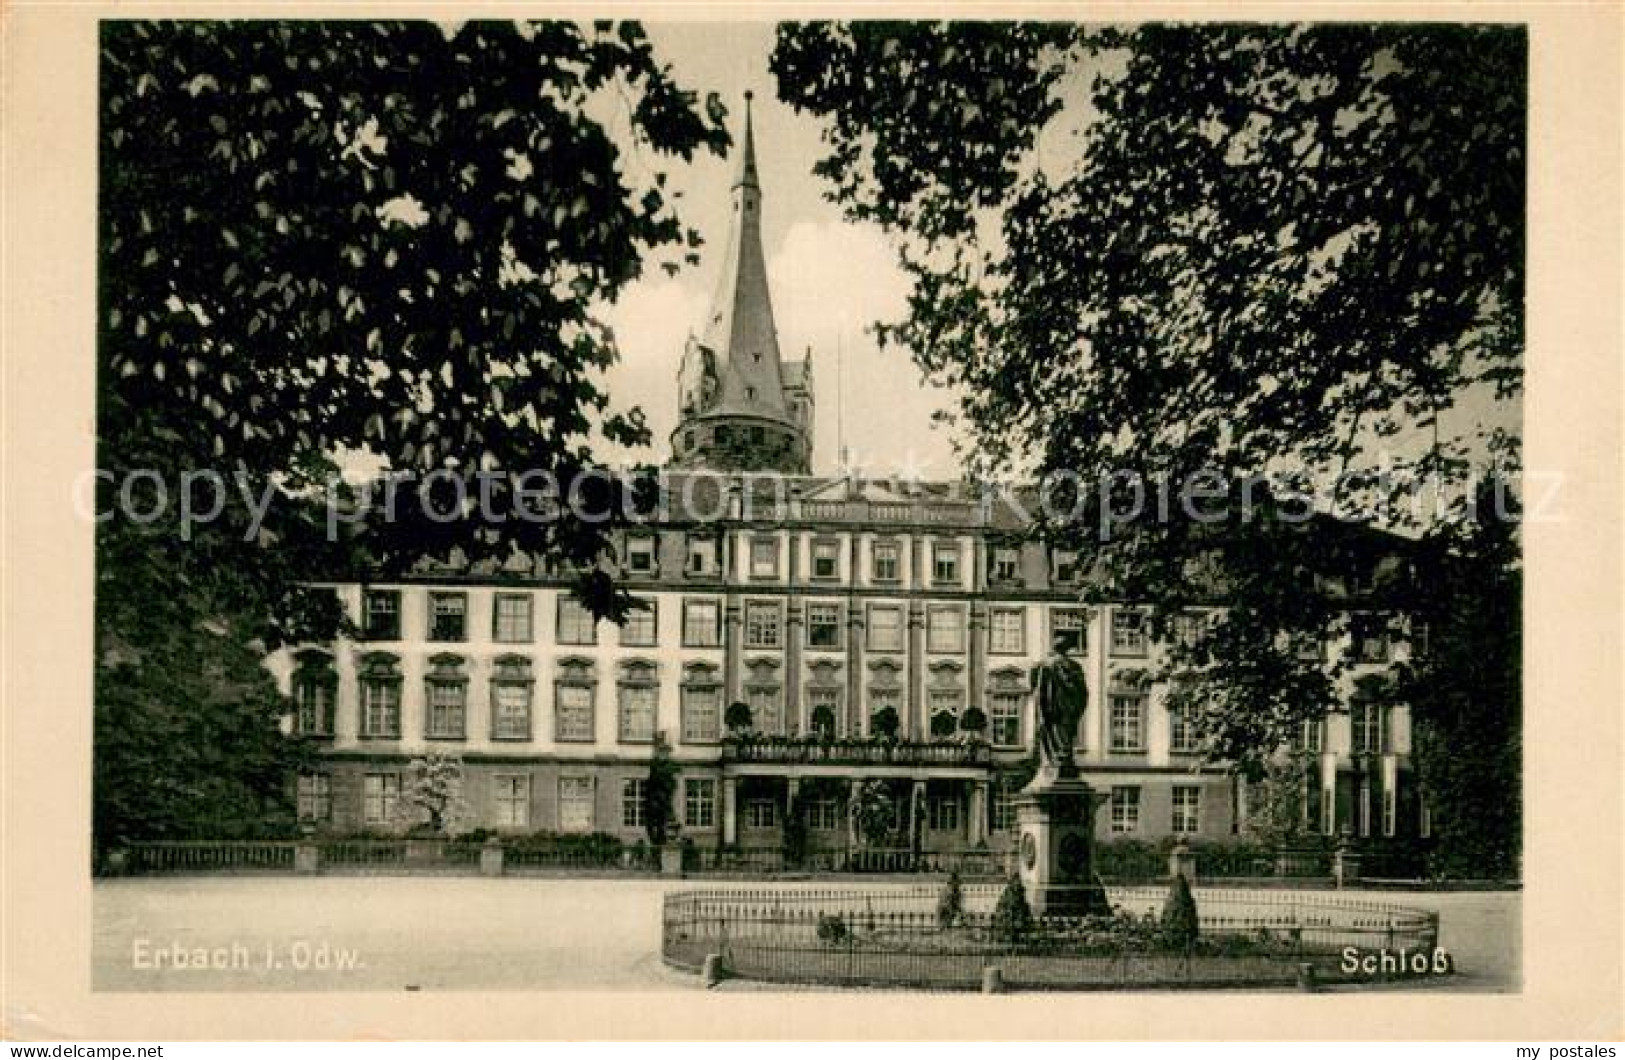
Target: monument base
pixel 1055 817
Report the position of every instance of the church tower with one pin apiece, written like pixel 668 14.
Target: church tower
pixel 742 408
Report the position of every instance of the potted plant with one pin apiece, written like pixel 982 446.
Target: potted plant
pixel 738 719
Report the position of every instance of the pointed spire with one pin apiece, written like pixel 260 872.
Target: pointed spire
pixel 746 174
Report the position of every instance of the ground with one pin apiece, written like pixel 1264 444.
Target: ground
pixel 446 933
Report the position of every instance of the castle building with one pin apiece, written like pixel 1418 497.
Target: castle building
pixel 873 631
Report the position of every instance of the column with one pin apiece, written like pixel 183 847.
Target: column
pixel 731 641
pixel 854 706
pixel 730 811
pixel 912 729
pixel 793 617
pixel 976 630
pixel 916 816
pixel 977 830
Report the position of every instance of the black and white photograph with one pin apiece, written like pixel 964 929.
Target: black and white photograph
pixel 729 506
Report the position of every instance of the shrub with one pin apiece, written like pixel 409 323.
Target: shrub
pixel 973 721
pixel 951 903
pixel 1179 923
pixel 823 723
pixel 884 723
pixel 738 718
pixel 831 928
pixel 943 725
pixel 1012 917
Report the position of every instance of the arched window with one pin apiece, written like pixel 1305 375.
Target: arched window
pixel 314 685
pixel 380 680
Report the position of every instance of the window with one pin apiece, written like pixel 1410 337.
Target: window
pixel 699 802
pixel 945 629
pixel 761 813
pixel 1067 624
pixel 1006 566
pixel 313 685
pixel 632 790
pixel 1390 809
pixel 1312 735
pixel 1367 720
pixel 1128 632
pixel 380 698
pixel 639 630
pixel 1362 807
pixel 511 618
pixel 823 815
pixel 448 616
pixel 1006 631
pixel 1127 721
pixel 576 624
pixel 825 559
pixel 1125 809
pixel 885 627
pixel 572 704
pixel 575 804
pixel 823 625
pixel 885 561
pixel 885 697
pixel 702 556
pixel 315 797
pixel 702 707
pixel 944 813
pixel 1188 629
pixel 944 705
pixel 766 709
pixel 701 629
pixel 1182 731
pixel 638 695
pixel 824 710
pixel 380 796
pixel 510 698
pixel 1370 638
pixel 764 557
pixel 640 555
pixel 763 619
pixel 1187 809
pixel 944 563
pixel 1004 806
pixel 448 699
pixel 512 800
pixel 382 616
pixel 1064 565
pixel 1004 718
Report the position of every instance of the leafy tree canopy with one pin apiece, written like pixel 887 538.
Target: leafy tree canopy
pixel 321 239
pixel 1146 255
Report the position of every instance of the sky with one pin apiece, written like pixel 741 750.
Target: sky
pixel 830 278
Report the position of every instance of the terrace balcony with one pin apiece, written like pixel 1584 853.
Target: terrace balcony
pixel 793 750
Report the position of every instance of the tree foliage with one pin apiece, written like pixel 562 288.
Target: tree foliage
pixel 327 238
pixel 432 797
pixel 660 792
pixel 1180 924
pixel 1183 257
pixel 1465 693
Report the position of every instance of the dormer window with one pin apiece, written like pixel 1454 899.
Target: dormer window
pixel 640 555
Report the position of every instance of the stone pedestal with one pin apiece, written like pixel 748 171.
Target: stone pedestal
pixel 1056 821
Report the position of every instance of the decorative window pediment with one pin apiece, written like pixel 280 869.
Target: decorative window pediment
pixel 511 668
pixel 1007 679
pixel 379 666
pixel 639 672
pixel 575 669
pixel 884 671
pixel 701 673
pixel 825 671
pixel 446 667
pixel 1131 679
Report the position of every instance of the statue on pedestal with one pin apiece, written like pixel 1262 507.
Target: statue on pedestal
pixel 1060 694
